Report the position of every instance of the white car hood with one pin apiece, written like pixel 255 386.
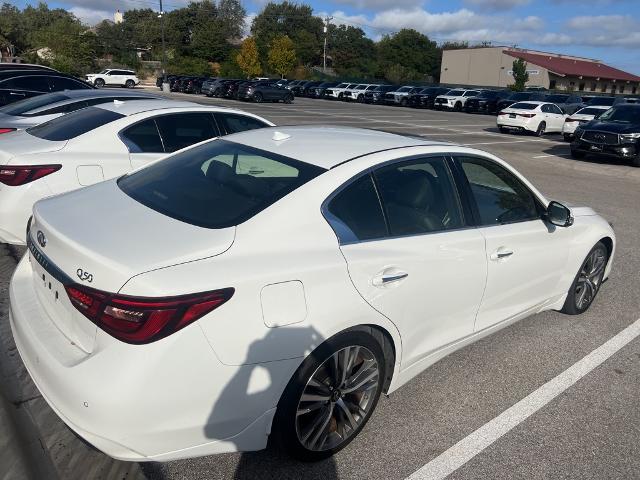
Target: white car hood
pixel 21 143
pixel 106 233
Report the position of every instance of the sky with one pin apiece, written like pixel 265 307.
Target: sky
pixel 608 30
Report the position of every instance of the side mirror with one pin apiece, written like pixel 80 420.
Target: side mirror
pixel 559 215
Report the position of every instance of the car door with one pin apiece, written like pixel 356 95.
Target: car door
pixel 112 77
pixel 558 117
pixel 525 254
pixel 409 253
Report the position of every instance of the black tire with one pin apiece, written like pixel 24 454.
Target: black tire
pixel 572 305
pixel 361 98
pixel 403 102
pixel 577 154
pixel 98 83
pixel 285 429
pixel 503 130
pixel 457 107
pixel 257 97
pixel 567 137
pixel 288 98
pixel 129 84
pixel 635 161
pixel 541 129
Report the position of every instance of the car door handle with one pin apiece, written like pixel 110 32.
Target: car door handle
pixel 383 279
pixel 19 94
pixel 501 253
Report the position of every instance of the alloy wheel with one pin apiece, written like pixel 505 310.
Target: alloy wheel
pixel 337 398
pixel 590 278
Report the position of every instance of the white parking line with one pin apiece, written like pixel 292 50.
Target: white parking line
pixel 467 448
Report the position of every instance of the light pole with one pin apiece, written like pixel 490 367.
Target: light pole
pixel 164 51
pixel 324 52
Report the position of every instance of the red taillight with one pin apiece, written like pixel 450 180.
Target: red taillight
pixel 502 113
pixel 15 175
pixel 569 120
pixel 7 130
pixel 143 320
pixel 526 115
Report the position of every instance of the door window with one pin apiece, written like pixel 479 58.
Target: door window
pixel 37 84
pixel 143 137
pixel 233 123
pixel 500 197
pixel 418 197
pixel 182 130
pixel 355 213
pixel 61 83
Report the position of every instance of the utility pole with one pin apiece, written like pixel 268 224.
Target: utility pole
pixel 164 51
pixel 324 52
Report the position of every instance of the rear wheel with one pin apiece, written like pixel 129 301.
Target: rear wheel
pixel 129 84
pixel 587 283
pixel 541 129
pixel 257 97
pixel 99 83
pixel 331 396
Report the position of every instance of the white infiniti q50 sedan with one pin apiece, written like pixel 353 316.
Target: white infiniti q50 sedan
pixel 276 282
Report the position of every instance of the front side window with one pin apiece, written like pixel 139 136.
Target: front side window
pixel 499 196
pixel 233 123
pixel 180 130
pixel 218 184
pixel 143 137
pixel 418 197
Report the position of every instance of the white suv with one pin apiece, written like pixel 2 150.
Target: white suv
pixel 454 99
pixel 123 78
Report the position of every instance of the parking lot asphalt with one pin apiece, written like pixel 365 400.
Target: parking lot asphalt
pixel 589 430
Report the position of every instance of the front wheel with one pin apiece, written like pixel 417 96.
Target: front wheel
pixel 457 107
pixel 567 137
pixel 587 283
pixel 288 99
pixel 331 396
pixel 257 98
pixel 403 102
pixel 129 84
pixel 99 83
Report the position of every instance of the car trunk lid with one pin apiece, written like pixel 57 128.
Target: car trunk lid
pixel 100 238
pixel 21 142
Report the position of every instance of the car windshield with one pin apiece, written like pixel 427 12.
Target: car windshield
pixel 455 93
pixel 520 96
pixel 602 101
pixel 524 106
pixel 590 111
pixel 404 89
pixel 622 114
pixel 24 106
pixel 557 98
pixel 218 184
pixel 342 85
pixel 74 124
pixel 104 72
pixel 488 94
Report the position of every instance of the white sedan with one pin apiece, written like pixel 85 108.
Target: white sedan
pixel 97 143
pixel 530 116
pixel 582 116
pixel 276 282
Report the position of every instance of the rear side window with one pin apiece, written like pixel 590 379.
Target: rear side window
pixel 74 124
pixel 181 130
pixel 218 184
pixel 143 137
pixel 355 212
pixel 232 123
pixel 525 106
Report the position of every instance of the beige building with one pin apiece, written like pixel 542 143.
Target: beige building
pixel 492 67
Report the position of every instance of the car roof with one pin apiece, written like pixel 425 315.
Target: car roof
pixel 325 146
pixel 133 107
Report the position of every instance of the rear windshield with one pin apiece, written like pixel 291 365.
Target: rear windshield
pixel 74 124
pixel 524 106
pixel 520 96
pixel 602 101
pixel 455 93
pixel 622 114
pixel 24 106
pixel 218 184
pixel 557 98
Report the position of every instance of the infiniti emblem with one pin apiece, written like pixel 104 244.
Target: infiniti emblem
pixel 599 136
pixel 42 240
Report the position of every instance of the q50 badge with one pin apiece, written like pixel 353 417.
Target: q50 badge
pixel 84 276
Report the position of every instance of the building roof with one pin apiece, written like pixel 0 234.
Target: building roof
pixel 325 146
pixel 573 66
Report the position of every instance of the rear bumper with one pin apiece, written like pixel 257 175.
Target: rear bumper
pixel 16 204
pixel 504 121
pixel 166 400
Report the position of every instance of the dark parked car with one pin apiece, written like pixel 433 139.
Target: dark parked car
pixel 425 97
pixel 193 85
pixel 264 91
pixel 308 87
pixel 20 84
pixel 520 97
pixel 486 102
pixel 602 101
pixel 616 133
pixel 299 87
pixel 24 66
pixel 208 84
pixel 568 103
pixel 377 94
pixel 176 83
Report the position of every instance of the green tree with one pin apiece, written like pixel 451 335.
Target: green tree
pixel 231 14
pixel 293 20
pixel 520 75
pixel 418 56
pixel 282 55
pixel 182 65
pixel 352 54
pixel 247 58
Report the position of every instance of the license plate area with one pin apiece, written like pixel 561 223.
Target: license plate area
pixel 512 115
pixel 596 148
